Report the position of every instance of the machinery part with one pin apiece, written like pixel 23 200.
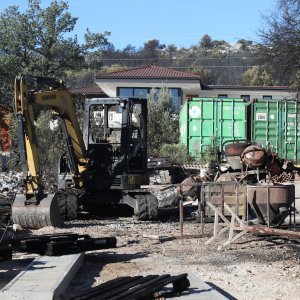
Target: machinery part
pixel 275 165
pixel 166 197
pixel 187 186
pixel 6 252
pixel 110 153
pixel 35 209
pixel 31 216
pixel 145 205
pixel 71 206
pixel 227 177
pixel 233 150
pixel 271 203
pixel 141 208
pixel 152 206
pixel 61 202
pixel 254 156
pixel 67 204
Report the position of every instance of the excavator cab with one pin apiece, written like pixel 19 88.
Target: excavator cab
pixel 114 134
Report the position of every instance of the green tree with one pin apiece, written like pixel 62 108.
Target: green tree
pixel 177 153
pixel 50 143
pixel 206 42
pixel 257 76
pixel 39 42
pixel 163 122
pixel 221 44
pixel 112 68
pixel 245 44
pixel 151 50
pixel 280 46
pixel 81 77
pixel 205 74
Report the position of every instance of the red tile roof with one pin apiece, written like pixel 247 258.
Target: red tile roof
pixel 87 90
pixel 148 72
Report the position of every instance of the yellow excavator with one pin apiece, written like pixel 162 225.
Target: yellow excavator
pixel 105 161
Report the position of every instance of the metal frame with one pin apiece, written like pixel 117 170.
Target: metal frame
pixel 235 225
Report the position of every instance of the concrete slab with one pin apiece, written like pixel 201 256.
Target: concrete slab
pixel 198 290
pixel 47 277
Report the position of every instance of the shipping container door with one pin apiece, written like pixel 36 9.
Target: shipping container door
pixel 267 124
pixel 201 116
pixel 232 121
pixel 290 133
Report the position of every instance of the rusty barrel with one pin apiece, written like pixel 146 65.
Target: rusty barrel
pixel 271 203
pixel 233 151
pixel 254 156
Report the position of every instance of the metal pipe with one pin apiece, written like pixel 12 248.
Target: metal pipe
pixel 272 231
pixel 268 207
pixel 181 217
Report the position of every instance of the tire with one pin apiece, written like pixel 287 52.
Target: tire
pixel 146 207
pixel 61 200
pixel 71 206
pixel 152 206
pixel 141 207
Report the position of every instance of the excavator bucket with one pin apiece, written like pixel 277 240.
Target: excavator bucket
pixel 47 213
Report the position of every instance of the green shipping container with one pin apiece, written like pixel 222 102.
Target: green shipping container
pixel 205 119
pixel 276 126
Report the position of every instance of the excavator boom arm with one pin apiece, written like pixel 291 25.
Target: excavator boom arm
pixel 57 98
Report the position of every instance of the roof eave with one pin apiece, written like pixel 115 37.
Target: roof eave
pixel 147 78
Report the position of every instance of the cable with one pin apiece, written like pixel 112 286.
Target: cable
pixel 184 58
pixel 190 67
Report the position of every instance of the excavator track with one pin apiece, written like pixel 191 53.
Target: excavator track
pixel 47 213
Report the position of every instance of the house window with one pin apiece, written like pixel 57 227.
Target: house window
pixel 223 96
pixel 132 92
pixel 125 92
pixel 140 93
pixel 245 97
pixel 175 95
pixel 267 97
pixel 143 93
pixel 176 98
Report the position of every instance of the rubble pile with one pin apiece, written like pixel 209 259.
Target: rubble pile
pixel 10 182
pixel 160 177
pixel 167 196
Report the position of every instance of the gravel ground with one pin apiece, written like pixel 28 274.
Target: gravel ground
pixel 255 267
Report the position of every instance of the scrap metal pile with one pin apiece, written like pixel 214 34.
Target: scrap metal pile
pixel 10 182
pixel 245 158
pixel 253 182
pixel 54 244
pixel 137 287
pixel 247 162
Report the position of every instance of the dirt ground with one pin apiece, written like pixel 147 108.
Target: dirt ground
pixel 254 267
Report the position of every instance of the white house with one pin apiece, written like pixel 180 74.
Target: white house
pixel 138 82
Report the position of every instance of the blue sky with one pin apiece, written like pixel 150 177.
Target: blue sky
pixel 179 22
